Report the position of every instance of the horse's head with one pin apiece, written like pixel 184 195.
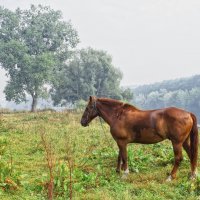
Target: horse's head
pixel 90 112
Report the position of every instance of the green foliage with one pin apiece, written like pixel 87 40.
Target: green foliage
pixel 80 105
pixel 33 43
pixel 90 72
pixel 127 94
pixel 36 51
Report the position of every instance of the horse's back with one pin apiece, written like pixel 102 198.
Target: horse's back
pixel 169 123
pixel 152 126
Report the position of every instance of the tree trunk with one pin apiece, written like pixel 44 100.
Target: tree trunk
pixel 34 103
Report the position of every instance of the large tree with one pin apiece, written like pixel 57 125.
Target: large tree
pixel 90 72
pixel 33 44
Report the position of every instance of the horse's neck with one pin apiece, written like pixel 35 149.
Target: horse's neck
pixel 108 111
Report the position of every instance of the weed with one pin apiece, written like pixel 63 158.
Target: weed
pixel 9 177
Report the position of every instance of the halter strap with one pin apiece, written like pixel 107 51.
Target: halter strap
pixel 95 106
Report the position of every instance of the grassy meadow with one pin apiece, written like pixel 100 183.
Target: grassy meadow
pixel 47 152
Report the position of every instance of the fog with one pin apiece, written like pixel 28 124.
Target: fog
pixel 149 40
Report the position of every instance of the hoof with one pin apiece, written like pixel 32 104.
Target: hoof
pixel 169 178
pixel 118 171
pixel 125 174
pixel 193 177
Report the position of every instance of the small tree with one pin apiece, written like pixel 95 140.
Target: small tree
pixel 90 72
pixel 33 43
pixel 127 94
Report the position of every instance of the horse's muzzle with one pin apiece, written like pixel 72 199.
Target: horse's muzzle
pixel 84 123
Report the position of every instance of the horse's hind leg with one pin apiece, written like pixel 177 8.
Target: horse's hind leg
pixel 177 147
pixel 186 146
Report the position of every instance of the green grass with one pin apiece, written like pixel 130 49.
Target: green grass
pixel 91 153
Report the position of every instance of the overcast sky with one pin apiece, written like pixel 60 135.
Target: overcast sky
pixel 149 40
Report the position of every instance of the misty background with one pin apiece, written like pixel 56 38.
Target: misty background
pixel 149 40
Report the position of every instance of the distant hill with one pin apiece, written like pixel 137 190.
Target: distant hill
pixel 183 93
pixel 170 85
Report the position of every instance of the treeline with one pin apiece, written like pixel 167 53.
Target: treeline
pixel 39 52
pixel 183 93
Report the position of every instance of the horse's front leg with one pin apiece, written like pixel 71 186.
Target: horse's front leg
pixel 124 157
pixel 119 162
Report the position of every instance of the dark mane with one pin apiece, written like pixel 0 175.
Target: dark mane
pixel 115 102
pixel 129 107
pixel 110 101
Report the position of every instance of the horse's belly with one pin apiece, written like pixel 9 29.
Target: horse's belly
pixel 148 136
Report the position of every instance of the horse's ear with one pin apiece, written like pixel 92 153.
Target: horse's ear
pixel 92 98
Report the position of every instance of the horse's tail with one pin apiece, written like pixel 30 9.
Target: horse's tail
pixel 194 143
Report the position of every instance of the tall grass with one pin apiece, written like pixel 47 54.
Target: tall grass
pixel 49 152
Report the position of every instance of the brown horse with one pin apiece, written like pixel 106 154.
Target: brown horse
pixel 131 125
